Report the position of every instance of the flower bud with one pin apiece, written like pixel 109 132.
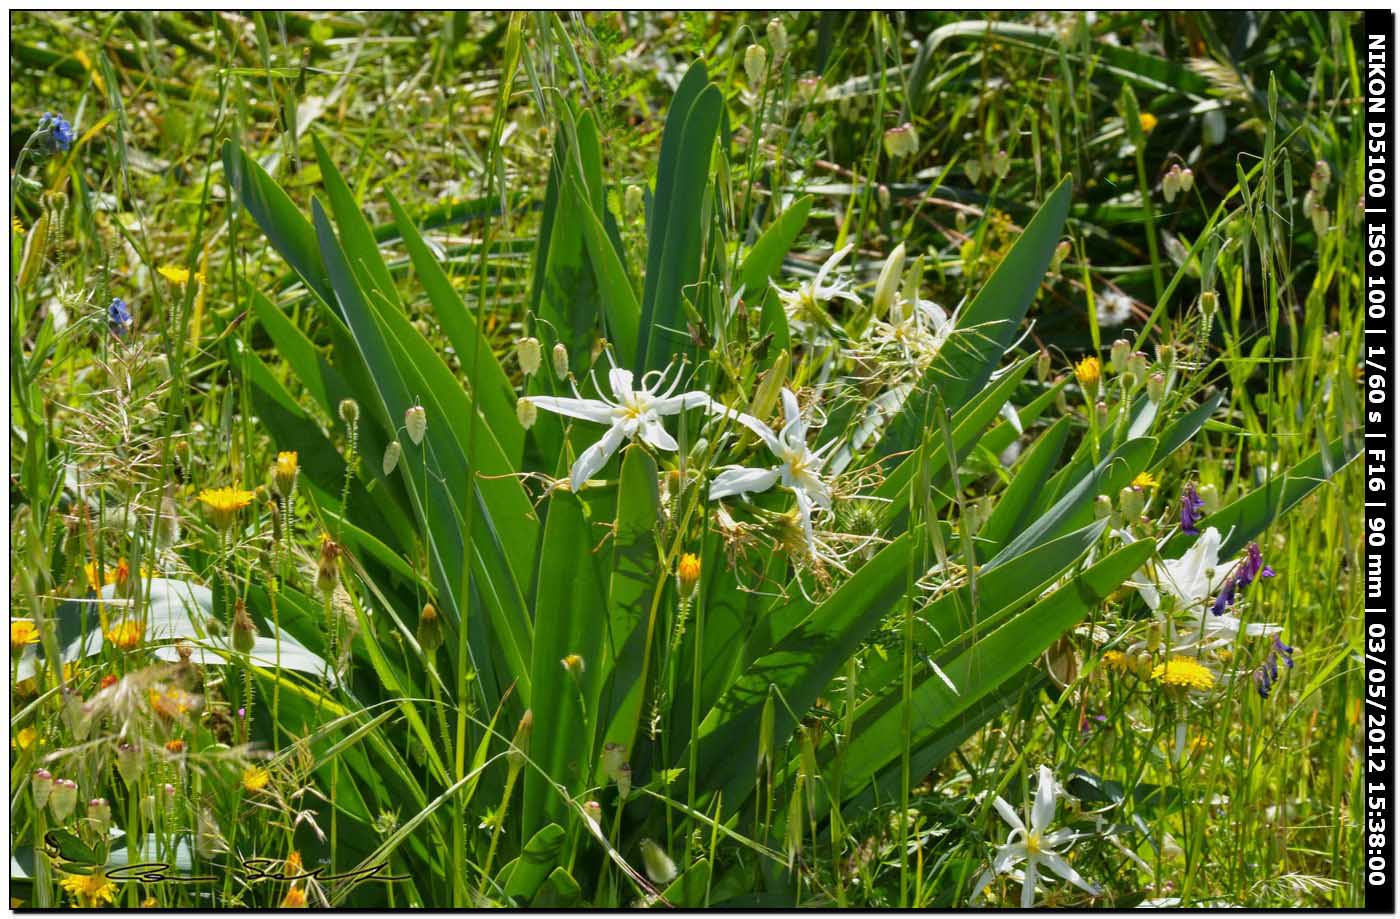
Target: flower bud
pixel 632 200
pixel 1187 180
pixel 901 141
pixel 526 413
pixel 973 168
pixel 1131 501
pixel 349 411
pixel 1321 177
pixel 688 573
pixel 573 663
pixel 1213 128
pixel 1137 368
pixel 614 758
pixel 755 64
pixel 658 864
pixel 99 814
pixel 1057 259
pixel 284 473
pixel 560 357
pixel 1042 366
pixel 1118 354
pixel 245 633
pixel 415 420
pixel 624 782
pixel 1210 302
pixel 1154 636
pixel 887 287
pixel 527 352
pixel 1103 507
pixel 520 744
pixel 1210 498
pixel 130 763
pixel 1321 219
pixel 1330 341
pixel 429 629
pixel 808 88
pixel 1001 164
pixel 42 784
pixel 777 38
pixel 63 799
pixel 391 456
pixel 327 570
pixel 1101 411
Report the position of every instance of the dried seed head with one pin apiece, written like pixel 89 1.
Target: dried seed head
pixel 526 413
pixel 415 422
pixel 527 353
pixel 560 357
pixel 755 64
pixel 245 633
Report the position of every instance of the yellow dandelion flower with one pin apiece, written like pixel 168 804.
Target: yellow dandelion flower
pixel 1088 371
pixel 150 903
pixel 90 889
pixel 23 632
pixel 174 274
pixel 1144 480
pixel 295 898
pixel 287 462
pixel 1117 660
pixel 1148 122
pixel 175 746
pixel 127 634
pixel 224 504
pixel 688 570
pixel 1183 673
pixel 24 739
pixel 117 574
pixel 255 779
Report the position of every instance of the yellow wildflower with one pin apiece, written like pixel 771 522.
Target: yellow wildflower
pixel 23 632
pixel 127 634
pixel 173 701
pixel 255 779
pixel 24 739
pixel 90 889
pixel 174 274
pixel 225 503
pixel 688 571
pixel 1088 371
pixel 1144 480
pixel 175 746
pixel 17 226
pixel 284 473
pixel 295 898
pixel 1116 659
pixel 1184 673
pixel 294 868
pixel 1148 122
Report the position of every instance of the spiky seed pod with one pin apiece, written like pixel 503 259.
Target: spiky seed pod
pixel 245 633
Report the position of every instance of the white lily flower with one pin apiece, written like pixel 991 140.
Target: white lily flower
pixel 798 470
pixel 917 330
pixel 1036 845
pixel 804 305
pixel 637 413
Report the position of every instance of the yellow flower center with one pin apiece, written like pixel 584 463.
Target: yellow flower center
pixel 1032 843
pixel 23 632
pixel 1087 371
pixel 1144 480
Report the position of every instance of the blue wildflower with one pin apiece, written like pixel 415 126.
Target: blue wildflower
pixel 1192 510
pixel 1245 573
pixel 1262 682
pixel 1284 651
pixel 118 317
pixel 59 132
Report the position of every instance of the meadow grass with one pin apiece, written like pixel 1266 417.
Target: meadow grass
pixel 318 222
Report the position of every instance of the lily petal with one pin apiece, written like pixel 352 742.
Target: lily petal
pixel 620 379
pixel 672 405
pixel 1028 886
pixel 1008 813
pixel 596 456
pixel 740 480
pixel 1043 811
pixel 655 434
pixel 1063 868
pixel 586 409
pixel 764 432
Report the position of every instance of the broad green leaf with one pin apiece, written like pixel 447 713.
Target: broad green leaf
pixel 1032 473
pixel 985 328
pixel 522 877
pixel 765 259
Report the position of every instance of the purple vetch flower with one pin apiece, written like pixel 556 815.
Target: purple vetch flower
pixel 1246 572
pixel 1284 651
pixel 1192 510
pixel 1266 675
pixel 1262 682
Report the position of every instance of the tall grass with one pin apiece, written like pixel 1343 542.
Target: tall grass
pixel 502 690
